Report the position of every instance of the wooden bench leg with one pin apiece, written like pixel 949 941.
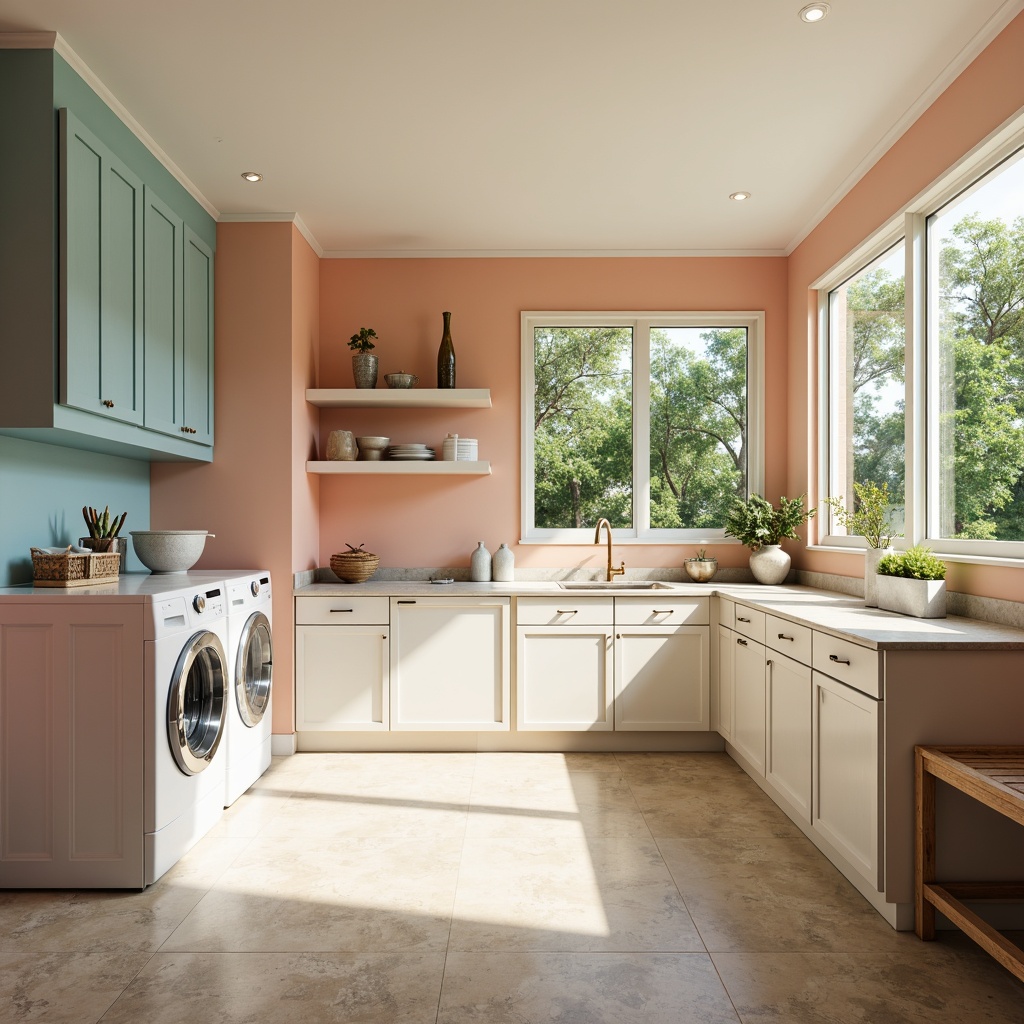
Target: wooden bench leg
pixel 924 847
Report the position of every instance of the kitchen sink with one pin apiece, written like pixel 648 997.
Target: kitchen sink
pixel 615 585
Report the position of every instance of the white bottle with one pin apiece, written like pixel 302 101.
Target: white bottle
pixel 480 565
pixel 504 565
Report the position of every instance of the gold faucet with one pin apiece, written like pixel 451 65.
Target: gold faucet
pixel 612 571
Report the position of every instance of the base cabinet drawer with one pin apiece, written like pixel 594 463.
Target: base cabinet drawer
pixel 341 611
pixel 847 777
pixel 848 662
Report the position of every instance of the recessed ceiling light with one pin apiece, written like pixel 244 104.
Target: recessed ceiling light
pixel 252 175
pixel 739 196
pixel 814 12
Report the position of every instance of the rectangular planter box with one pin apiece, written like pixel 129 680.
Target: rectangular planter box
pixel 924 599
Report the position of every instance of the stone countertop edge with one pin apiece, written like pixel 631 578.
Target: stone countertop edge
pixel 837 614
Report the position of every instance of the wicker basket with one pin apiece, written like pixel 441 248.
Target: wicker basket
pixel 70 569
pixel 354 566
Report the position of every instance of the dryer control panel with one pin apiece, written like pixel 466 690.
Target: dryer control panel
pixel 188 610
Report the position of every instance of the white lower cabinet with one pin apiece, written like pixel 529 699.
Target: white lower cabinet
pixel 788 731
pixel 662 679
pixel 342 672
pixel 726 680
pixel 749 716
pixel 846 774
pixel 564 678
pixel 450 663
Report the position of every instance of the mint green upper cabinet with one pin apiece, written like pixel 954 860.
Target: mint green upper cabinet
pixel 101 267
pixel 198 371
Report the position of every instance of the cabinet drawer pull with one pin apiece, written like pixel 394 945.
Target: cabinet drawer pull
pixel 342 611
pixel 782 636
pixel 566 611
pixel 739 618
pixel 769 663
pixel 108 403
pixel 743 642
pixel 838 660
pixel 618 636
pixel 406 602
pixel 661 611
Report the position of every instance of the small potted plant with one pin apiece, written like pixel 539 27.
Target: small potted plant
pixel 702 567
pixel 364 364
pixel 870 518
pixel 761 526
pixel 104 532
pixel 913 582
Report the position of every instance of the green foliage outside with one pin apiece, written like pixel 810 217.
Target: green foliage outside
pixel 756 521
pixel 916 563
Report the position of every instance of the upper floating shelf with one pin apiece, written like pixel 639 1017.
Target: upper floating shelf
pixel 399 398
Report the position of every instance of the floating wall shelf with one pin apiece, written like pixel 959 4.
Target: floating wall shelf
pixel 385 467
pixel 399 398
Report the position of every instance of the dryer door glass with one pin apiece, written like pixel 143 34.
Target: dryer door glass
pixel 197 704
pixel 254 669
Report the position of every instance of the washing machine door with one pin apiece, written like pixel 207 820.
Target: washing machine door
pixel 197 703
pixel 254 669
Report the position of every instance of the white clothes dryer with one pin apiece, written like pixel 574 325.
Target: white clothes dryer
pixel 251 669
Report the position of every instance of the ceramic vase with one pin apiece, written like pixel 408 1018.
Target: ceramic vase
pixel 364 370
pixel 480 565
pixel 503 565
pixel 871 559
pixel 770 564
pixel 446 356
pixel 341 446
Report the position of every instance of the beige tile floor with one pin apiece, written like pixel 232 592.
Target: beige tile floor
pixel 499 888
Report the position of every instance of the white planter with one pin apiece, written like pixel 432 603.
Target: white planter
pixel 770 564
pixel 871 559
pixel 924 599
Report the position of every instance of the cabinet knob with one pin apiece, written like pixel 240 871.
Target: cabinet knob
pixel 108 403
pixel 186 430
pixel 769 663
pixel 838 660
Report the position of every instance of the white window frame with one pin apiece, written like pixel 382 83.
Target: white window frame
pixel 921 481
pixel 641 324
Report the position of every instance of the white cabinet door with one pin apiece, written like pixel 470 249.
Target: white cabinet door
pixel 748 718
pixel 564 678
pixel 846 776
pixel 726 680
pixel 341 678
pixel 662 679
pixel 788 754
pixel 450 663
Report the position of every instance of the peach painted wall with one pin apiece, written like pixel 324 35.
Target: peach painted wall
pixel 420 521
pixel 985 95
pixel 244 496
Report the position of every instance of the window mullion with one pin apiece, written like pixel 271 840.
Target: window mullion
pixel 921 463
pixel 642 428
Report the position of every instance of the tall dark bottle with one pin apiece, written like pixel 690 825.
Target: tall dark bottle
pixel 446 356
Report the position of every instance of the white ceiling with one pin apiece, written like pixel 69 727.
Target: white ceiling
pixel 426 127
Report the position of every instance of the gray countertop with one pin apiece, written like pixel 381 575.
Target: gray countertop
pixel 824 610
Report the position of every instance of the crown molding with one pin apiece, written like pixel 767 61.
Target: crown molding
pixel 575 254
pixel 275 218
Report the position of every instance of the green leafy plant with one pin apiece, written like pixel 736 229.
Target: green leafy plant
pixel 756 521
pixel 702 556
pixel 361 342
pixel 871 516
pixel 916 563
pixel 103 525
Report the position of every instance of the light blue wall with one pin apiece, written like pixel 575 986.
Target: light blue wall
pixel 42 490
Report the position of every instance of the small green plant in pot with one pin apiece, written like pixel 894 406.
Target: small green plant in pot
pixel 364 363
pixel 104 532
pixel 913 582
pixel 702 567
pixel 762 526
pixel 870 518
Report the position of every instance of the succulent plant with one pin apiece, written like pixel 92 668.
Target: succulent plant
pixel 103 525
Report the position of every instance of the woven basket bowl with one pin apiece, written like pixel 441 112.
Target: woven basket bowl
pixel 354 566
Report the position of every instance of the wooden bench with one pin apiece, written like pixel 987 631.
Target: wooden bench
pixel 994 776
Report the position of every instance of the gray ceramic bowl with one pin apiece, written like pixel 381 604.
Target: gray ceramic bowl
pixel 169 550
pixel 400 380
pixel 371 449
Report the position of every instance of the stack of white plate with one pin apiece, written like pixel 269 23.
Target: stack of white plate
pixel 411 453
pixel 459 449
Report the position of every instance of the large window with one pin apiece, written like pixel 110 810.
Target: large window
pixel 923 359
pixel 650 420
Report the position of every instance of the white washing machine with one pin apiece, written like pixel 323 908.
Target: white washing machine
pixel 251 668
pixel 113 709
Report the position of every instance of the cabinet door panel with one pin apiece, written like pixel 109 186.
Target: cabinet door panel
pixel 341 675
pixel 847 776
pixel 662 679
pixel 450 664
pixel 788 753
pixel 197 374
pixel 164 328
pixel 565 678
pixel 748 730
pixel 726 680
